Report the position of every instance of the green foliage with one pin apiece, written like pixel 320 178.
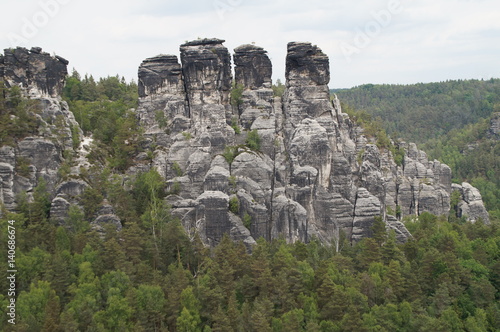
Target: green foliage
pixel 23 166
pixel 398 154
pixel 75 137
pixel 161 119
pixel 37 211
pixel 236 94
pixel 147 187
pixel 76 220
pixel 111 88
pixel 278 88
pixel 32 306
pixel 236 127
pixel 176 168
pixel 103 109
pixel 473 157
pixel 450 119
pixel 379 232
pixel 230 152
pixel 175 188
pixel 232 182
pixel 18 115
pixel 187 135
pixel 419 112
pixel 156 278
pixel 234 205
pixel 372 127
pixel 247 220
pixel 150 301
pixel 253 140
pixel 91 199
pixel 359 157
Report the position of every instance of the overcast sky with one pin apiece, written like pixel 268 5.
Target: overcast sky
pixel 376 41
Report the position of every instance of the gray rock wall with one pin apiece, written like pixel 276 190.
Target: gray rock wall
pixel 41 77
pixel 37 72
pixel 315 174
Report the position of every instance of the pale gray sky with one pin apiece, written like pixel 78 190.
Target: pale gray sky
pixel 377 41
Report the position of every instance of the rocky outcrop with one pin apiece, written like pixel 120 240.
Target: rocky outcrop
pixel 106 217
pixel 41 77
pixel 252 67
pixel 161 88
pixel 314 172
pixel 494 130
pixel 237 159
pixel 35 71
pixel 206 68
pixel 471 205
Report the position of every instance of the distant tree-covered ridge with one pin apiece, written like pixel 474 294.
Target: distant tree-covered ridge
pixel 422 111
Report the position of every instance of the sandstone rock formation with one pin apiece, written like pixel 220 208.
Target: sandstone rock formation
pixel 494 130
pixel 40 77
pixel 37 72
pixel 235 158
pixel 471 205
pixel 315 173
pixel 106 217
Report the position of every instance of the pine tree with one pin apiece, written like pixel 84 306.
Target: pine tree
pixel 378 230
pixel 221 321
pixel 149 303
pixel 260 319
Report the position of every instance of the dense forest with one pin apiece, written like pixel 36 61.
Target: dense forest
pixel 419 112
pixel 151 276
pixel 450 120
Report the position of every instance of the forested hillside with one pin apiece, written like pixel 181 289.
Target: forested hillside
pixel 451 120
pixel 152 276
pixel 91 221
pixel 419 112
pixel 72 279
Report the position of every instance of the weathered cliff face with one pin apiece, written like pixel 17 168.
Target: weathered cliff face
pixel 471 204
pixel 314 174
pixel 40 77
pixel 37 72
pixel 161 88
